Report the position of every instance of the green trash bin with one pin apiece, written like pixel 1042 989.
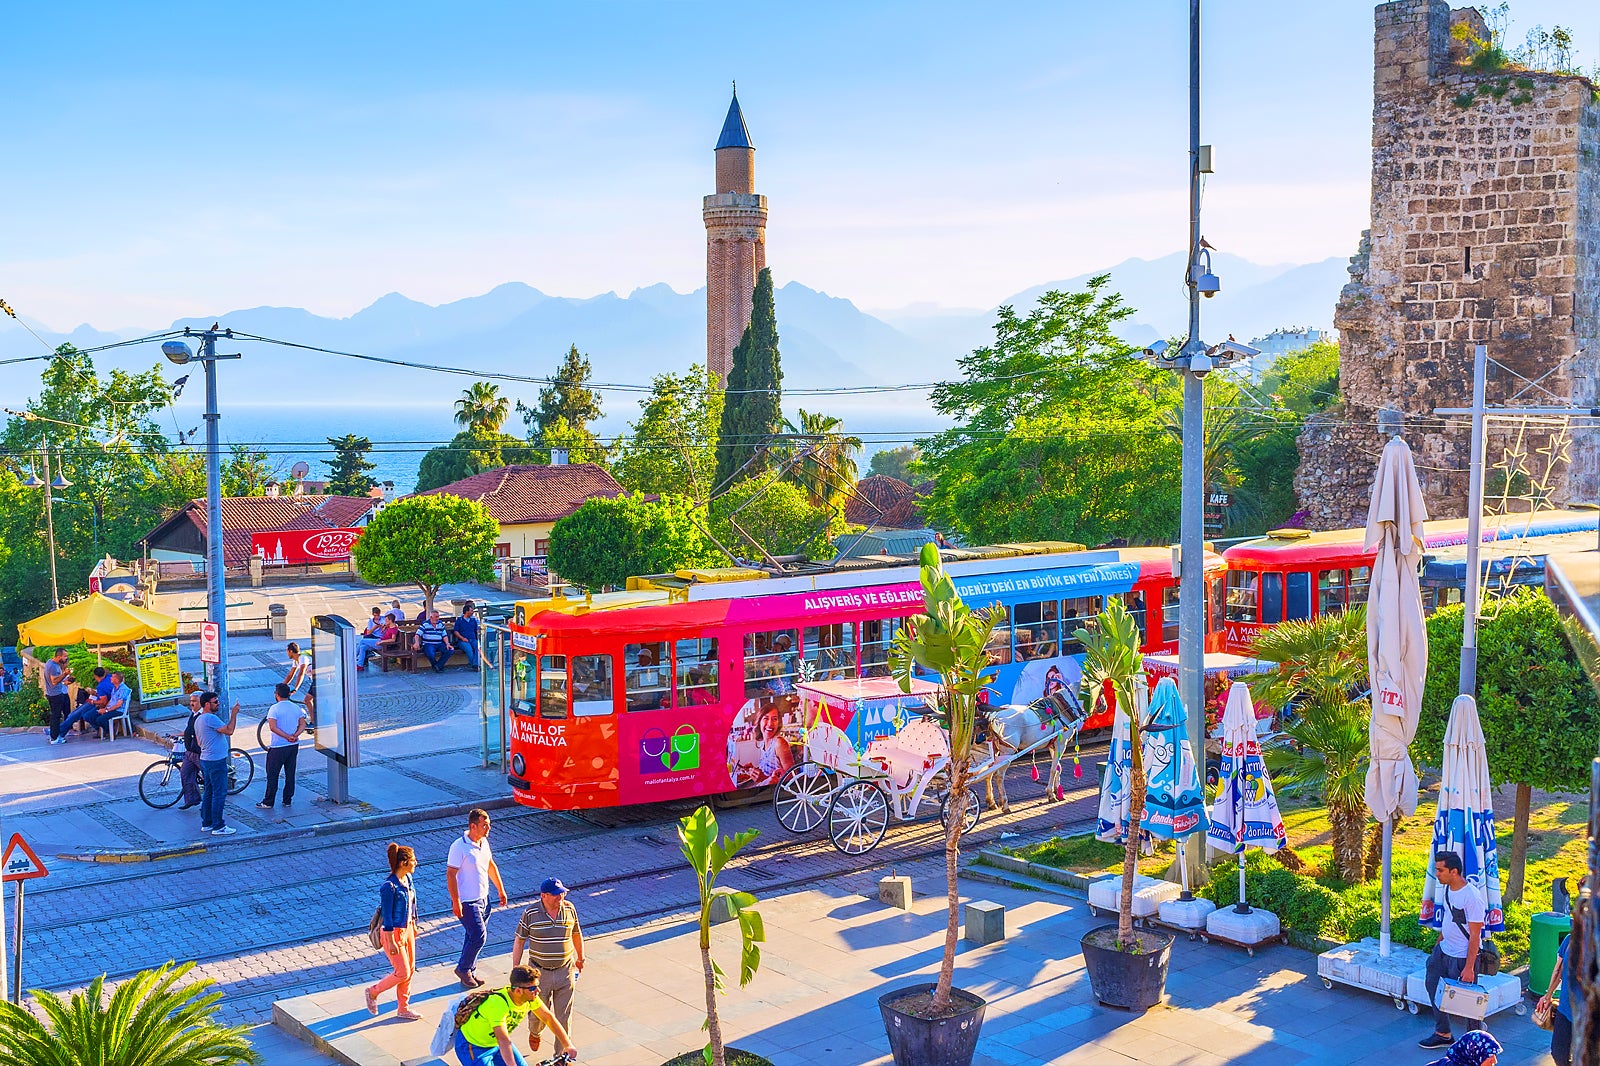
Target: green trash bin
pixel 1544 938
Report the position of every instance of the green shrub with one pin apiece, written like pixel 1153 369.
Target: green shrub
pixel 24 707
pixel 1302 904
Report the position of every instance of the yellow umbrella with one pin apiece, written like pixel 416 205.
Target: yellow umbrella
pixel 96 619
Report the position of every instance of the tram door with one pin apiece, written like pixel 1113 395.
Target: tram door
pixel 669 744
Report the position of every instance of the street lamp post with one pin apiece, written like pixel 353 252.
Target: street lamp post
pixel 50 485
pixel 216 588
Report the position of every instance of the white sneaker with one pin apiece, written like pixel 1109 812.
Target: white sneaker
pixel 59 740
pixel 225 831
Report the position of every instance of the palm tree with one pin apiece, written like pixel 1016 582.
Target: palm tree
pixel 820 458
pixel 481 409
pixel 152 1018
pixel 1320 664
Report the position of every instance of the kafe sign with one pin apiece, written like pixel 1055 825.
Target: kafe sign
pixel 301 547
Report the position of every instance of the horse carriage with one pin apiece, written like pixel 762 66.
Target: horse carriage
pixel 871 752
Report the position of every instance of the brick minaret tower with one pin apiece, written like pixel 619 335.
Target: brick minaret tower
pixel 736 242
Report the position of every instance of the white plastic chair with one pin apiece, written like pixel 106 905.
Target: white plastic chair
pixel 125 719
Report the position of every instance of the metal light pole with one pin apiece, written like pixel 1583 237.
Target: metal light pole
pixel 216 587
pixel 1469 633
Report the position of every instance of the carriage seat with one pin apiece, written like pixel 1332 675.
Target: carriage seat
pixel 909 753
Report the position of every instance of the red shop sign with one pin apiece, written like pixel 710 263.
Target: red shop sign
pixel 297 547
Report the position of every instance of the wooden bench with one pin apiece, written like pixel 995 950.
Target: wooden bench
pixel 397 651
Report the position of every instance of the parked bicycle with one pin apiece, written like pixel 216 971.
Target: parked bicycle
pixel 161 784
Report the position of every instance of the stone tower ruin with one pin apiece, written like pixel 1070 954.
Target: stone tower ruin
pixel 736 242
pixel 1485 228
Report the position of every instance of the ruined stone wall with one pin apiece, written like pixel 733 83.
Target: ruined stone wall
pixel 1485 228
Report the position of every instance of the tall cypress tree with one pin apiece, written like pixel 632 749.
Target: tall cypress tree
pixel 753 409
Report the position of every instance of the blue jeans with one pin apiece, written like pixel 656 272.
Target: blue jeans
pixel 471 648
pixel 471 1055
pixel 87 713
pixel 365 647
pixel 475 922
pixel 215 774
pixel 438 655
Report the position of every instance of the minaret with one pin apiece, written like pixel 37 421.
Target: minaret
pixel 736 242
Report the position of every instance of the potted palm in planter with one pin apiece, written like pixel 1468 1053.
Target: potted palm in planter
pixel 937 1024
pixel 1127 966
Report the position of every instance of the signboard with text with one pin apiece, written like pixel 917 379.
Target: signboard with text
pixel 210 642
pixel 160 677
pixel 303 547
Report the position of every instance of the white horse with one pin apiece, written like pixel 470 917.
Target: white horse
pixel 1053 721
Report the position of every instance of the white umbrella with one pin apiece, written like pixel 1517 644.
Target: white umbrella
pixel 1397 645
pixel 1245 813
pixel 1465 822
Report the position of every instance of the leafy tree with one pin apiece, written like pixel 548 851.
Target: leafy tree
pixel 429 542
pixel 764 517
pixel 673 446
pixel 151 1018
pixel 565 397
pixel 607 541
pixel 753 408
pixel 1296 386
pixel 951 640
pixel 348 469
pixel 1061 431
pixel 582 446
pixel 246 472
pixel 895 462
pixel 1322 661
pixel 470 452
pixel 1538 711
pixel 820 458
pixel 481 409
pixel 707 856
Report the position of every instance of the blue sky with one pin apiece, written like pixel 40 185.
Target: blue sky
pixel 171 159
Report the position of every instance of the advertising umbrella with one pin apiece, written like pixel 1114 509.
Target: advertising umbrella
pixel 1175 803
pixel 1245 814
pixel 96 619
pixel 1465 821
pixel 1397 647
pixel 1116 791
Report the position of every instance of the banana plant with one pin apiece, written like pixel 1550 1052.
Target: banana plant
pixel 950 639
pixel 697 834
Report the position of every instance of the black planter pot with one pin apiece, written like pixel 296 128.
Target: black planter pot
pixel 918 1041
pixel 1121 978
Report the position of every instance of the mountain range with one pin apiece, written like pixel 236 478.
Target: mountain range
pixel 516 329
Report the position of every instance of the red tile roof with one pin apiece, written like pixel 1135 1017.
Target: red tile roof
pixel 885 502
pixel 516 495
pixel 244 515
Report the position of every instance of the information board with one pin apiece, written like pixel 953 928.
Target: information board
pixel 160 676
pixel 333 680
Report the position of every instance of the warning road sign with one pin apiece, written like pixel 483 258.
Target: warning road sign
pixel 19 862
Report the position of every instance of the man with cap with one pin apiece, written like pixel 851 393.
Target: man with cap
pixel 484 1039
pixel 549 930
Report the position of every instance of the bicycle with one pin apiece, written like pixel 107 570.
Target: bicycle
pixel 161 784
pixel 264 734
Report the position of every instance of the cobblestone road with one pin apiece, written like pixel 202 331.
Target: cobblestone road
pixel 291 916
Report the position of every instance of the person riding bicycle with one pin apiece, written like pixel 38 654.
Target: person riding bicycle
pixel 484 1038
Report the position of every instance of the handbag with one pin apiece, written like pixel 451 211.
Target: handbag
pixel 375 928
pixel 1488 962
pixel 1544 1014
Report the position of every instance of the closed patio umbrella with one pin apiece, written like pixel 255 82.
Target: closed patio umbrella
pixel 1397 647
pixel 1464 823
pixel 1116 793
pixel 1175 803
pixel 1245 813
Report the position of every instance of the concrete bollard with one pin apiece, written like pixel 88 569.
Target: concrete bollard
pixel 985 922
pixel 255 571
pixel 720 910
pixel 278 621
pixel 895 892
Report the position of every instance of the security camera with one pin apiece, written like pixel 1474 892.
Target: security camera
pixel 1200 365
pixel 1156 350
pixel 1231 349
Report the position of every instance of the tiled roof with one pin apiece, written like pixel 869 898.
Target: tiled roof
pixel 516 495
pixel 885 502
pixel 244 515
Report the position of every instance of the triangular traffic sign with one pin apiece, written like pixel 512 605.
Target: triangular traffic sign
pixel 19 861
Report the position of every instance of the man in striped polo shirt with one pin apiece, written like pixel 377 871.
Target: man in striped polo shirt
pixel 432 641
pixel 549 930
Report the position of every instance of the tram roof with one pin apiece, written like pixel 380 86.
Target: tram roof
pixel 1286 547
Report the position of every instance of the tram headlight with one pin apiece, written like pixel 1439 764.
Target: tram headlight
pixel 519 765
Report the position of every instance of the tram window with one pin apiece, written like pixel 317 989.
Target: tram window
pixel 1038 631
pixel 770 663
pixel 1271 598
pixel 1299 606
pixel 521 702
pixel 877 636
pixel 1218 608
pixel 697 671
pixel 1331 585
pixel 553 686
pixel 999 647
pixel 1134 602
pixel 1360 578
pixel 831 650
pixel 1242 587
pixel 1078 614
pixel 591 685
pixel 1170 613
pixel 648 673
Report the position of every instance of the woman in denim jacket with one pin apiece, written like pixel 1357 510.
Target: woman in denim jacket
pixel 399 901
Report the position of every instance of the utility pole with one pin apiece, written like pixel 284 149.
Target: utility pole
pixel 1468 685
pixel 50 524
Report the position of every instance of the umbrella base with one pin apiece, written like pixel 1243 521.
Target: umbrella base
pixel 1188 915
pixel 1249 929
pixel 1360 966
pixel 1149 893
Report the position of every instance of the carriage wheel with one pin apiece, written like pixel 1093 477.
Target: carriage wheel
pixel 968 820
pixel 857 817
pixel 800 799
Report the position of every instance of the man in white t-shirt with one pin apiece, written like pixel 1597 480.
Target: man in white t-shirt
pixel 1455 956
pixel 469 871
pixel 286 721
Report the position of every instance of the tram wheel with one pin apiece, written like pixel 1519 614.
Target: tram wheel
pixel 800 798
pixel 969 819
pixel 858 817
